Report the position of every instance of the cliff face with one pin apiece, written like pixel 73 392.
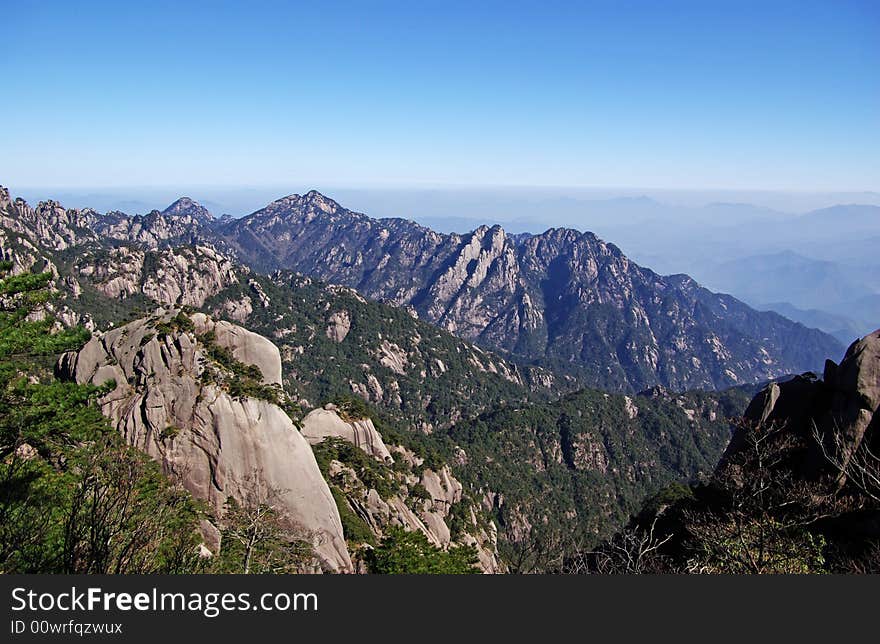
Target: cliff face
pixel 393 487
pixel 576 465
pixel 319 424
pixel 175 402
pixel 184 276
pixel 564 299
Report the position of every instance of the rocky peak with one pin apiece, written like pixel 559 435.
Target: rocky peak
pixel 563 298
pixel 317 200
pixel 184 276
pixel 184 222
pixel 840 409
pixel 48 225
pixel 295 205
pixel 187 207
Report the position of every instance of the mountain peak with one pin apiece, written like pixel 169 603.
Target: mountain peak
pixel 186 206
pixel 315 198
pixel 308 201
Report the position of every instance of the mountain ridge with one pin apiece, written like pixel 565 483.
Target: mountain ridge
pixel 563 299
pixel 504 292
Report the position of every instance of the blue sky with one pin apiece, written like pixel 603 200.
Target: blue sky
pixel 740 95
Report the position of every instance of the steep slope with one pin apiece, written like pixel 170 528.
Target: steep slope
pixel 561 299
pixel 218 431
pixel 797 491
pixel 381 487
pixel 333 342
pixel 183 222
pixel 558 476
pixel 833 417
pixel 336 343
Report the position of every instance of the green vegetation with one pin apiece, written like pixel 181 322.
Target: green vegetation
pixel 410 553
pixel 179 323
pixel 20 297
pixel 74 498
pixel 371 472
pixel 105 311
pixel 319 369
pixel 578 468
pixel 355 529
pixel 257 540
pixel 760 513
pixel 351 408
pixel 575 469
pixel 239 379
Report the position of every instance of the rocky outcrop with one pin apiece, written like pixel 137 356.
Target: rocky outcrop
pixel 186 207
pixel 318 424
pixel 49 225
pixel 216 445
pixel 185 222
pixel 185 276
pixel 246 346
pixel 338 326
pixel 840 409
pixel 411 496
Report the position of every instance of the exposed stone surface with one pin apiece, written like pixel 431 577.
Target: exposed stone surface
pixel 318 424
pixel 338 326
pixel 183 222
pixel 426 511
pixel 216 445
pixel 246 346
pixel 562 299
pixel 184 276
pixel 392 356
pixel 844 402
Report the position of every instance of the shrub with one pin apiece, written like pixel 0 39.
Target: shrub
pixel 404 553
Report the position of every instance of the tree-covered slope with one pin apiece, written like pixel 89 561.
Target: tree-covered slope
pixel 560 474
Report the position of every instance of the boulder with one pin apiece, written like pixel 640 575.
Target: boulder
pixel 855 387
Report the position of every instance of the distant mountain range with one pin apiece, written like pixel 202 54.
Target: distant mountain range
pixel 561 300
pixel 824 260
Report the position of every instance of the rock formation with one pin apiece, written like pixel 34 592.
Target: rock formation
pixel 840 410
pixel 318 424
pixel 215 444
pixel 185 276
pixel 563 299
pixel 412 496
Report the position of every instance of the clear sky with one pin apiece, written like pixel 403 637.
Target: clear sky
pixel 763 95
